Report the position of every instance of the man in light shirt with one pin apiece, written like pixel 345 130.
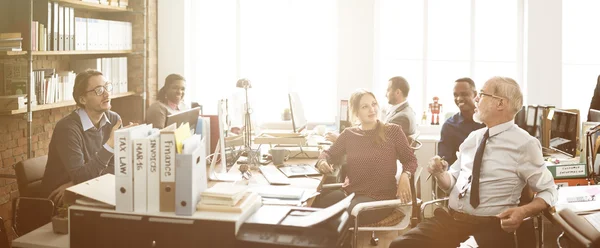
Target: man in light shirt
pixel 485 182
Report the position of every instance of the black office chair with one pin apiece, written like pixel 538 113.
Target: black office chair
pixel 31 210
pixel 579 232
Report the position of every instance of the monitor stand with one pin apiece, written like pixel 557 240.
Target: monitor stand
pixel 222 175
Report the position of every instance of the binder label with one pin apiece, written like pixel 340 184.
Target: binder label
pixel 153 155
pixel 123 157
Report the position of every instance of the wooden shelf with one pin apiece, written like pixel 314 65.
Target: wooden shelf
pixel 61 53
pixel 58 105
pixel 78 4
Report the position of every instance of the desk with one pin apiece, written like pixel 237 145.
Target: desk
pixel 44 237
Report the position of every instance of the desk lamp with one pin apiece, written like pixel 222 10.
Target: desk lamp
pixel 251 155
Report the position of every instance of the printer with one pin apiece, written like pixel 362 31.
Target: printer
pixel 273 226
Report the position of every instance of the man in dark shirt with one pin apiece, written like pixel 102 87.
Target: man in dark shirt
pixel 82 143
pixel 456 129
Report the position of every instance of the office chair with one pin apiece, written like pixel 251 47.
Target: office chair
pixel 524 234
pixel 3 235
pixel 579 231
pixel 31 210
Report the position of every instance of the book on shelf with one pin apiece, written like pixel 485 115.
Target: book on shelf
pixel 248 200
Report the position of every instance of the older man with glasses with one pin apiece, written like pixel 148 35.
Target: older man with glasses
pixel 485 182
pixel 82 143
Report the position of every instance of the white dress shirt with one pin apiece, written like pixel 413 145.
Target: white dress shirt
pixel 511 159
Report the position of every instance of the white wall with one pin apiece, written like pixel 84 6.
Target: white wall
pixel 355 46
pixel 543 56
pixel 171 37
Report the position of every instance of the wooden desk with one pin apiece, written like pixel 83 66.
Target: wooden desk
pixel 44 237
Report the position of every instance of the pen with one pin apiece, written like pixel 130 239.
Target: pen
pixel 428 177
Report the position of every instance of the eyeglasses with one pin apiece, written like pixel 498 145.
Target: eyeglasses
pixel 101 89
pixel 481 93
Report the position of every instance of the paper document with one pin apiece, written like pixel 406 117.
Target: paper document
pixel 594 219
pixel 101 189
pixel 316 217
pixel 577 191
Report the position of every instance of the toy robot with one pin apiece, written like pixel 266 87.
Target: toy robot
pixel 435 108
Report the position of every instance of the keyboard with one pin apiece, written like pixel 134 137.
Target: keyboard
pixel 273 175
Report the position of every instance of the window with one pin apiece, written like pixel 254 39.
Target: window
pixel 434 42
pixel 581 51
pixel 280 46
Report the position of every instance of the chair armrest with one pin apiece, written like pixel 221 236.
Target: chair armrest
pixel 332 186
pixel 427 203
pixel 377 205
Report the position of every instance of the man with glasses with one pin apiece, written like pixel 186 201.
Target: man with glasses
pixel 456 129
pixel 485 182
pixel 82 143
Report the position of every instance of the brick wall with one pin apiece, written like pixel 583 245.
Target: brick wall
pixel 13 128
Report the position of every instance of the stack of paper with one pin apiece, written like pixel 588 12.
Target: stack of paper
pixel 583 207
pixel 226 194
pixel 248 200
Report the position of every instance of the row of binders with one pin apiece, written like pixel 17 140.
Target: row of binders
pixel 159 170
pixel 113 69
pixel 55 28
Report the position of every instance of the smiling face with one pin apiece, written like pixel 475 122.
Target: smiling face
pixel 367 109
pixel 464 96
pixel 91 100
pixel 488 105
pixel 176 91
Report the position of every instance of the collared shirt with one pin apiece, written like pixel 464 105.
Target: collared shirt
pixel 454 131
pixel 511 159
pixel 87 124
pixel 393 109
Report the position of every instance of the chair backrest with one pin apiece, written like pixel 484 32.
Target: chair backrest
pixel 413 141
pixel 578 229
pixel 31 213
pixel 29 176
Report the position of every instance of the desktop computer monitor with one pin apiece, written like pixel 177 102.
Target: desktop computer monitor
pixel 531 120
pixel 297 111
pixel 190 116
pixel 563 133
pixel 594 115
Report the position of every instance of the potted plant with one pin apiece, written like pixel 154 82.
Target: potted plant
pixel 60 222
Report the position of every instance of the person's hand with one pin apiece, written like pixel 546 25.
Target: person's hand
pixel 437 166
pixel 111 140
pixel 403 191
pixel 511 219
pixel 57 195
pixel 324 167
pixel 331 136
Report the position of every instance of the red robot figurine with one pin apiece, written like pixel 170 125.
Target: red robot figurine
pixel 435 108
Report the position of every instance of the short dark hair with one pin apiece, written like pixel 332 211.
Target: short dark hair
pixel 162 93
pixel 81 83
pixel 401 84
pixel 467 80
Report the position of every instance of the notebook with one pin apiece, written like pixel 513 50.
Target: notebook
pixel 299 170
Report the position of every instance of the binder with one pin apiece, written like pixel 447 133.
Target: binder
pixel 191 176
pixel 140 174
pixel 153 188
pixel 80 34
pixel 49 26
pixel 55 28
pixel 71 29
pixel 61 28
pixel 167 169
pixel 123 155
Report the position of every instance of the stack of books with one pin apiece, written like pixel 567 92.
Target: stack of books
pixel 11 42
pixel 227 197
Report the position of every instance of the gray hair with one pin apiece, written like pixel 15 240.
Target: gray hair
pixel 509 89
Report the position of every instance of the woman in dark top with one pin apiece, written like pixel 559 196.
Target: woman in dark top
pixel 169 101
pixel 372 150
pixel 595 104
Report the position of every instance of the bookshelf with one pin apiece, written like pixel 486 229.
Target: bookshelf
pixel 61 53
pixel 58 105
pixel 131 102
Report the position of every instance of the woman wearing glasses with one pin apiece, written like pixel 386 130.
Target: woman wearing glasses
pixel 82 143
pixel 169 101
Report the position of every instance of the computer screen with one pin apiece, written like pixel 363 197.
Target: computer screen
pixel 563 134
pixel 297 111
pixel 594 115
pixel 531 122
pixel 190 116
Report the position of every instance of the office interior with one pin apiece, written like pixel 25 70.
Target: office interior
pixel 310 56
